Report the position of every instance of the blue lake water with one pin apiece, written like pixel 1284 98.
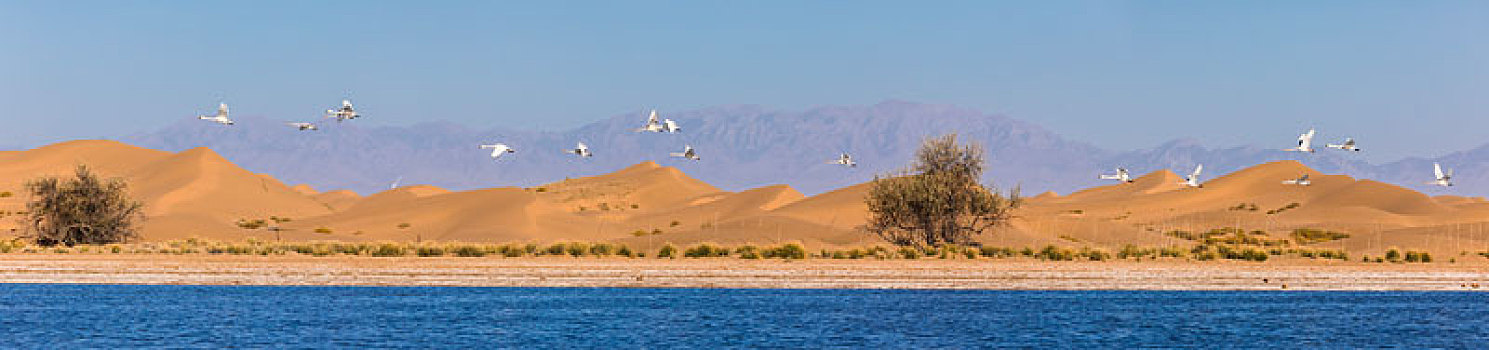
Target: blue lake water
pixel 73 316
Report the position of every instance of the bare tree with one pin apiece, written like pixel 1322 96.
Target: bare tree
pixel 81 210
pixel 940 199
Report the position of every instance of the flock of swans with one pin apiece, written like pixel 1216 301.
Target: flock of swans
pixel 654 124
pixel 1305 144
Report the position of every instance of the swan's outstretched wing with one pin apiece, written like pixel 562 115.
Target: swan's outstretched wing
pixel 1437 170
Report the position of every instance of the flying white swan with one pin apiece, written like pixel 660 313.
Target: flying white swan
pixel 346 112
pixel 220 118
pixel 1348 145
pixel 656 124
pixel 1305 143
pixel 844 159
pixel 687 152
pixel 1301 181
pixel 1443 179
pixel 303 126
pixel 580 150
pixel 1121 175
pixel 497 150
pixel 1193 179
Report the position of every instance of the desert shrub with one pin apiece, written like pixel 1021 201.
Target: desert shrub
pixel 706 250
pixel 81 210
pixel 6 194
pixel 467 250
pixel 577 249
pixel 511 251
pixel 997 252
pixel 1132 251
pixel 639 233
pixel 430 250
pixel 1051 252
pixel 556 249
pixel 787 251
pixel 1393 255
pixel 404 225
pixel 323 230
pixel 601 249
pixel 1308 236
pixel 1171 252
pixel 251 224
pixel 625 251
pixel 674 223
pixel 941 201
pixel 667 251
pixel 389 249
pixel 1094 254
pixel 656 231
pixel 747 252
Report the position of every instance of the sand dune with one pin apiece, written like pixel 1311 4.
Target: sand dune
pixel 197 193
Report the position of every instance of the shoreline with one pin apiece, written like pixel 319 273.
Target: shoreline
pixel 1002 274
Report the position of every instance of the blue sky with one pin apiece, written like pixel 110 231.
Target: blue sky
pixel 1405 77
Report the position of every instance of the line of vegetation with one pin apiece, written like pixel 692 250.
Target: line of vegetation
pixel 1245 207
pixel 789 251
pixel 1310 236
pixel 1289 206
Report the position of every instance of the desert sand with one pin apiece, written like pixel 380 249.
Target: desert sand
pixel 1025 274
pixel 197 193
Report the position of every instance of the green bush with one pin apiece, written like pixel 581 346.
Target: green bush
pixel 1393 255
pixel 82 210
pixel 468 251
pixel 577 249
pixel 1051 252
pixel 910 253
pixel 511 251
pixel 1309 236
pixel 668 251
pixel 430 250
pixel 602 249
pixel 787 251
pixel 996 252
pixel 747 252
pixel 706 251
pixel 389 249
pixel 556 249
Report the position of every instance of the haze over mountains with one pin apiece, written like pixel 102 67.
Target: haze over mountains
pixel 743 147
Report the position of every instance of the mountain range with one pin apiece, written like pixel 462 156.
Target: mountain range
pixel 741 146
